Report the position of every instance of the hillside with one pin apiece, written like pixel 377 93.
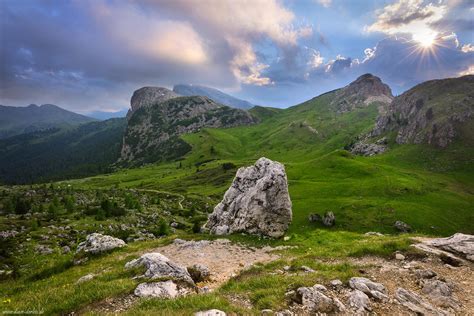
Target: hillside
pixel 213 94
pixel 56 153
pixel 19 120
pixel 153 131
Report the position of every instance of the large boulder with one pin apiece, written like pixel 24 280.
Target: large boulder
pixel 459 244
pixel 257 202
pixel 317 300
pixel 96 243
pixel 160 267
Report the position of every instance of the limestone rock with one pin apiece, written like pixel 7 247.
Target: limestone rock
pixel 167 289
pixel 317 302
pixel 402 227
pixel 199 272
pixel 425 273
pixel 459 244
pixel 96 243
pixel 85 278
pixel 150 95
pixel 372 289
pixel 364 148
pixel 211 312
pixel 440 292
pixel 329 219
pixel 359 302
pixel 257 202
pixel 313 218
pixel 415 303
pixel 158 266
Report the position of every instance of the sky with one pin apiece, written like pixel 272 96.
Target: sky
pixel 90 55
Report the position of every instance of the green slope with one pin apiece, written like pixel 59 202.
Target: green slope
pixel 429 188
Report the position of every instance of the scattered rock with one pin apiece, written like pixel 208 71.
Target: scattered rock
pixel 317 302
pixel 306 269
pixel 425 274
pixel 44 250
pixel 199 272
pixel 373 234
pixel 402 227
pixel 85 278
pixel 440 292
pixel 167 289
pixel 266 312
pixel 96 243
pixel 359 302
pixel 415 303
pixel 257 202
pixel 363 148
pixel 65 249
pixel 336 284
pixel 211 312
pixel 399 256
pixel 159 266
pixel 329 219
pixel 372 289
pixel 313 218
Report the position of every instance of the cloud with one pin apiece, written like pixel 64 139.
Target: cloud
pixel 324 3
pixel 413 17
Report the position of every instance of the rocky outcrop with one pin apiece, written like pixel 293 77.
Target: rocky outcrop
pixel 359 302
pixel 257 202
pixel 363 91
pixel 459 244
pixel 148 96
pixel 432 112
pixel 158 267
pixel 153 132
pixel 317 300
pixel 367 148
pixel 167 290
pixel 372 289
pixel 402 227
pixel 96 243
pixel 415 303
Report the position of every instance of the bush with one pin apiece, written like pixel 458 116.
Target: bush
pixel 228 166
pixel 22 206
pixel 162 229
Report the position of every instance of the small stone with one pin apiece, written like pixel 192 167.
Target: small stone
pixel 307 269
pixel 425 274
pixel 266 312
pixel 329 219
pixel 211 312
pixel 359 302
pixel 313 218
pixel 65 249
pixel 402 227
pixel 85 278
pixel 399 256
pixel 336 283
pixel 199 272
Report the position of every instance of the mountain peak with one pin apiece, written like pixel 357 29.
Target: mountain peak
pixel 150 95
pixel 364 90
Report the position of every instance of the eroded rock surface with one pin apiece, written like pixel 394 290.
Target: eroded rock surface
pixel 415 303
pixel 372 289
pixel 257 202
pixel 96 243
pixel 167 289
pixel 458 244
pixel 316 300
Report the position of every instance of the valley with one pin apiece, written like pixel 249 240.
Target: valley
pixel 169 163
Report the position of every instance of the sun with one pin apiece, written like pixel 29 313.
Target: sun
pixel 425 39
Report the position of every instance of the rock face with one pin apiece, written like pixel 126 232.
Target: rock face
pixel 158 266
pixel 153 131
pixel 364 90
pixel 97 243
pixel 257 202
pixel 148 96
pixel 432 112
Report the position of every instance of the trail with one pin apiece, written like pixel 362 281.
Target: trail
pixel 180 196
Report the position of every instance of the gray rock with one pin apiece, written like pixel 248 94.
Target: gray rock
pixel 336 284
pixel 459 244
pixel 147 96
pixel 85 278
pixel 257 202
pixel 211 312
pixel 425 274
pixel 402 227
pixel 313 218
pixel 359 302
pixel 96 243
pixel 199 272
pixel 65 249
pixel 266 312
pixel 158 267
pixel 167 289
pixel 329 219
pixel 364 148
pixel 316 301
pixel 440 292
pixel 415 303
pixel 306 269
pixel 399 256
pixel 44 250
pixel 372 289
pixel 373 234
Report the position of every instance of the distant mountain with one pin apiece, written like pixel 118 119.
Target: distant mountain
pixel 213 94
pixel 435 112
pixel 100 115
pixel 60 153
pixel 19 120
pixel 153 131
